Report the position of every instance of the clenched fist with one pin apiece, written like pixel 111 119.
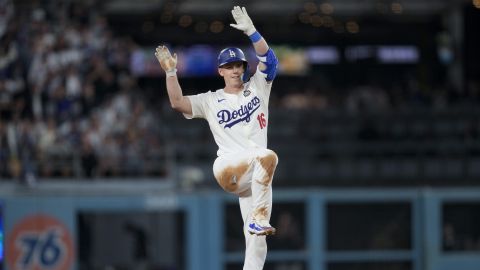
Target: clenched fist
pixel 164 57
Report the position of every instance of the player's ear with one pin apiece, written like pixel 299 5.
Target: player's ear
pixel 220 71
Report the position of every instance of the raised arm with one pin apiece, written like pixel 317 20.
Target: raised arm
pixel 268 61
pixel 169 64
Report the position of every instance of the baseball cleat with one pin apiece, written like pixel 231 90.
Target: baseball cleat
pixel 261 228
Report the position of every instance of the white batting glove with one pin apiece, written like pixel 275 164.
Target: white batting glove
pixel 244 23
pixel 167 62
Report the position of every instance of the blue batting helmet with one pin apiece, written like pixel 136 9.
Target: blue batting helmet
pixel 232 54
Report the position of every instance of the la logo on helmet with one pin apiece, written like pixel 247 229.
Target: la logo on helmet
pixel 232 53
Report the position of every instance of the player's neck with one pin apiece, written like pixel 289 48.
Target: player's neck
pixel 233 89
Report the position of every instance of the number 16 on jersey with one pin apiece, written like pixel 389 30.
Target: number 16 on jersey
pixel 261 120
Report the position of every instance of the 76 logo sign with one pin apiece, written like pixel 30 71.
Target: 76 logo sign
pixel 40 242
pixel 44 249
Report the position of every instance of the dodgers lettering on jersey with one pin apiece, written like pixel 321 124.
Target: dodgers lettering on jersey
pixel 237 121
pixel 231 118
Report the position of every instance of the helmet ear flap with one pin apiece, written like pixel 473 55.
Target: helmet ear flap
pixel 246 68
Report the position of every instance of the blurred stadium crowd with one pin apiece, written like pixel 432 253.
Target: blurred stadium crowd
pixel 70 106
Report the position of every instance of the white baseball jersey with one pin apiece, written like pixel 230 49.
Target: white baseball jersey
pixel 237 121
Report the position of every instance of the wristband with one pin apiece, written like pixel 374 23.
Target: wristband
pixel 255 37
pixel 171 73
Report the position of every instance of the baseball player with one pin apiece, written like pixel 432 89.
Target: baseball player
pixel 238 118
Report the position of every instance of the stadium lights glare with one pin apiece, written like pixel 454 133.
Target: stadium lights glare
pixel 476 3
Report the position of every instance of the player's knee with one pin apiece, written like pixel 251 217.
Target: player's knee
pixel 227 180
pixel 269 163
pixel 275 157
pixel 271 158
pixel 229 177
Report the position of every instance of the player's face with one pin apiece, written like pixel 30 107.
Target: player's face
pixel 232 72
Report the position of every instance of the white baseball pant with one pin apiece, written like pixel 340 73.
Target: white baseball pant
pixel 249 175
